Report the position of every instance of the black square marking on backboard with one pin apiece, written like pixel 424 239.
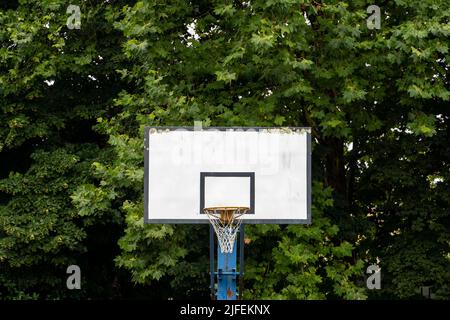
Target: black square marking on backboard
pixel 250 175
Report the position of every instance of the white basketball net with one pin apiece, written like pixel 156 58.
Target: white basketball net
pixel 226 228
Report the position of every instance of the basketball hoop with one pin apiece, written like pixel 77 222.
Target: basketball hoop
pixel 226 222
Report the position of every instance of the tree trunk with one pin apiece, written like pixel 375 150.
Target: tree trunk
pixel 335 169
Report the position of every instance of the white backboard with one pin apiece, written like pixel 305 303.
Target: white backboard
pixel 266 169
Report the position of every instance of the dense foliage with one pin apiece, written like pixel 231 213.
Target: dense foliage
pixel 74 104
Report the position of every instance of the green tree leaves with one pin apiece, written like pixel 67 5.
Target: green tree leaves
pixel 54 83
pixel 306 263
pixel 422 124
pixel 376 100
pixel 38 226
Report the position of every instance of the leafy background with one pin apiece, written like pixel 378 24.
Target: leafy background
pixel 74 103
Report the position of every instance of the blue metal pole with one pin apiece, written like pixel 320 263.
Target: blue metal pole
pixel 211 263
pixel 226 274
pixel 241 261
